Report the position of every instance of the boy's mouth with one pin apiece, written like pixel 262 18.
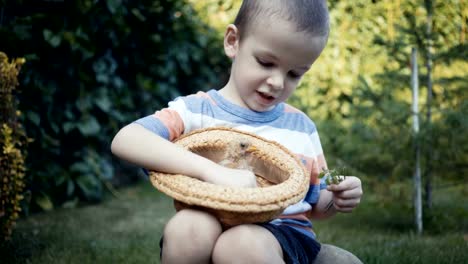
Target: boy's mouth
pixel 266 97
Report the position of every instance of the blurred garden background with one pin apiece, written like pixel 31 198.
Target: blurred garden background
pixel 76 71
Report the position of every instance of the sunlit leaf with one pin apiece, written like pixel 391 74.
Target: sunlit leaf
pixel 44 202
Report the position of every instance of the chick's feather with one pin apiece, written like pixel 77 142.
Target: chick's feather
pixel 236 155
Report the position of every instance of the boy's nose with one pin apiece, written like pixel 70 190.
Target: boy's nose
pixel 276 81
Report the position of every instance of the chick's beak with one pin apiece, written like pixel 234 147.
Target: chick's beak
pixel 251 149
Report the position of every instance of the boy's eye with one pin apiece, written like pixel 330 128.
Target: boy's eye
pixel 264 63
pixel 294 75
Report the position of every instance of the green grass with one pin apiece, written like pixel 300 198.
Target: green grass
pixel 127 230
pixel 382 229
pixel 120 230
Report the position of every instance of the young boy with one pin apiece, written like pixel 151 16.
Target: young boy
pixel 272 44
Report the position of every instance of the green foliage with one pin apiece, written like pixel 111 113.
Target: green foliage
pixel 359 90
pixel 13 142
pixel 217 13
pixel 94 66
pixel 332 176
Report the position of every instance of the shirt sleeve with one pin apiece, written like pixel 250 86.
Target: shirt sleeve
pixel 319 164
pixel 169 123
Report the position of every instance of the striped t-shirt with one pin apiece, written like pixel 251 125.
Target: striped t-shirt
pixel 284 124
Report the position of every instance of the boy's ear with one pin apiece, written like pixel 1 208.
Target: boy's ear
pixel 231 41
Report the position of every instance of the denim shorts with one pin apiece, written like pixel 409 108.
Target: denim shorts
pixel 297 247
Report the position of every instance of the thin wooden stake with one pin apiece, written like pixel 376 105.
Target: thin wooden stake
pixel 417 171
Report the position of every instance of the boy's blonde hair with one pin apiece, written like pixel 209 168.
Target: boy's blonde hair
pixel 310 16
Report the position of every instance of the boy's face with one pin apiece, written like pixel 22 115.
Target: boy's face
pixel 268 63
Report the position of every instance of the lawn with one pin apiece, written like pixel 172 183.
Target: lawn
pixel 127 228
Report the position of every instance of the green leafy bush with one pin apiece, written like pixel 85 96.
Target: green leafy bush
pixel 13 142
pixel 94 66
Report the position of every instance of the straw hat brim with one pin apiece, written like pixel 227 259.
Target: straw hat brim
pixel 270 161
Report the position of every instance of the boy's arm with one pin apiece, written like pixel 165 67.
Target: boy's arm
pixel 343 197
pixel 137 145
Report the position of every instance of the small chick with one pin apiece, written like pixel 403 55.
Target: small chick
pixel 236 155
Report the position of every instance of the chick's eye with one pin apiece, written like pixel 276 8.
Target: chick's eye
pixel 264 63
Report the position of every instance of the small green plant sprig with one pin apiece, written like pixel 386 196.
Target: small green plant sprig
pixel 331 176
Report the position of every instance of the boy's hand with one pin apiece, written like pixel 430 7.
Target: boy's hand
pixel 346 195
pixel 231 177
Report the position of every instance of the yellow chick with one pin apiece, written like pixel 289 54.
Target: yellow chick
pixel 236 155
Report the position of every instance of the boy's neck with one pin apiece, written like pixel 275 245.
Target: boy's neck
pixel 228 92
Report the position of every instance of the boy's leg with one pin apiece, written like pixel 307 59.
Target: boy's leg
pixel 189 237
pixel 247 244
pixel 332 254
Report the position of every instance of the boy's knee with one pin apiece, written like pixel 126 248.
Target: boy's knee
pixel 190 234
pixel 333 254
pixel 193 224
pixel 246 244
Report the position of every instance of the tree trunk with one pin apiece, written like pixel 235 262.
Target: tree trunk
pixel 429 156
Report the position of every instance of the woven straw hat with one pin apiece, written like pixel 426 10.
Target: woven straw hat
pixel 281 178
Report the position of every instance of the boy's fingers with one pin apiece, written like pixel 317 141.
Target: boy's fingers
pixel 349 194
pixel 345 205
pixel 344 209
pixel 343 186
pixel 350 182
pixel 342 203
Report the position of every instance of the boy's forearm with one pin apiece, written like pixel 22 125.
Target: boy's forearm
pixel 324 207
pixel 140 146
